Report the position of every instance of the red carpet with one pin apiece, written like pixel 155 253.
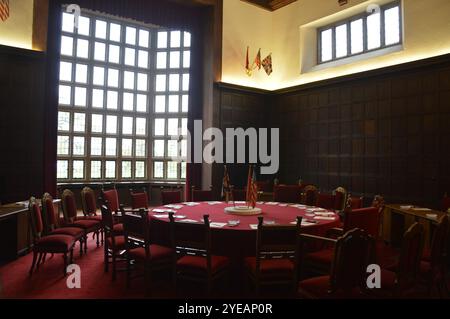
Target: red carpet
pixel 48 282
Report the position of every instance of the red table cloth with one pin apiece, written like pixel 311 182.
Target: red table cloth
pixel 235 241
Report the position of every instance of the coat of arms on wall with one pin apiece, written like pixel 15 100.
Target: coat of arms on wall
pixel 4 9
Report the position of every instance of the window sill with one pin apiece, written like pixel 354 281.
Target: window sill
pixel 355 58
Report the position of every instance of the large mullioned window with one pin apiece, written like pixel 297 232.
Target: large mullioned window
pixel 123 96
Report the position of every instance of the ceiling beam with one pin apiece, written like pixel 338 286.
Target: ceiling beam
pixel 270 5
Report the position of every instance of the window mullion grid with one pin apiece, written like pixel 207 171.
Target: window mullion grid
pixel 365 35
pixel 333 43
pixel 382 29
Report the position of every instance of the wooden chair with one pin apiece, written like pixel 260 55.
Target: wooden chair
pixel 194 261
pixel 139 249
pixel 198 195
pixel 367 219
pixel 353 252
pixel 310 195
pixel 51 227
pixel 357 202
pixel 115 246
pixel 51 244
pixel 89 205
pixel 276 260
pixel 433 265
pixel 287 193
pixel 71 218
pixel 340 198
pixel 397 280
pixel 110 199
pixel 171 197
pixel 139 199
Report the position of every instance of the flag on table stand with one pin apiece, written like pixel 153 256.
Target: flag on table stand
pixel 252 188
pixel 267 64
pixel 226 185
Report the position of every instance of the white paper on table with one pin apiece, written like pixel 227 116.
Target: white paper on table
pixel 189 221
pixel 161 216
pixel 282 205
pixel 253 226
pixel 239 202
pixel 421 209
pixel 259 203
pixel 304 223
pixel 174 206
pixel 158 210
pixel 217 225
pixel 406 206
pixel 179 216
pixel 213 203
pixel 324 218
pixel 191 203
pixel 324 214
pixel 272 203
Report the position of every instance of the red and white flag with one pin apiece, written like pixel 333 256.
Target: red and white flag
pixel 252 188
pixel 4 9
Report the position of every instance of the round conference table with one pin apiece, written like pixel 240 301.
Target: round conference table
pixel 240 240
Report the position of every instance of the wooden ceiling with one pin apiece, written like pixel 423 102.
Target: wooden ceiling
pixel 270 5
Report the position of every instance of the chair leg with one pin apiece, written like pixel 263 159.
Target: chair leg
pixel 39 260
pixel 65 263
pixel 85 243
pixel 33 263
pixel 81 241
pixel 106 257
pixel 113 265
pixel 97 233
pixel 71 256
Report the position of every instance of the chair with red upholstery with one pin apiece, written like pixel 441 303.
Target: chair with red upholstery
pixel 340 198
pixel 89 205
pixel 310 195
pixel 51 244
pixel 145 255
pixel 194 261
pixel 287 193
pixel 357 202
pixel 326 200
pixel 276 260
pixel 114 248
pixel 347 278
pixel 198 195
pixel 171 197
pixel 367 219
pixel 71 218
pixel 398 280
pixel 139 199
pixel 433 266
pixel 264 186
pixel 51 227
pixel 110 198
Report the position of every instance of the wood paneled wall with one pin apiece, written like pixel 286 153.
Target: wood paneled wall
pixel 381 132
pixel 239 107
pixel 21 123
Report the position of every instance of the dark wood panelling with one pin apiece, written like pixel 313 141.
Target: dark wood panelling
pixel 21 123
pixel 385 131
